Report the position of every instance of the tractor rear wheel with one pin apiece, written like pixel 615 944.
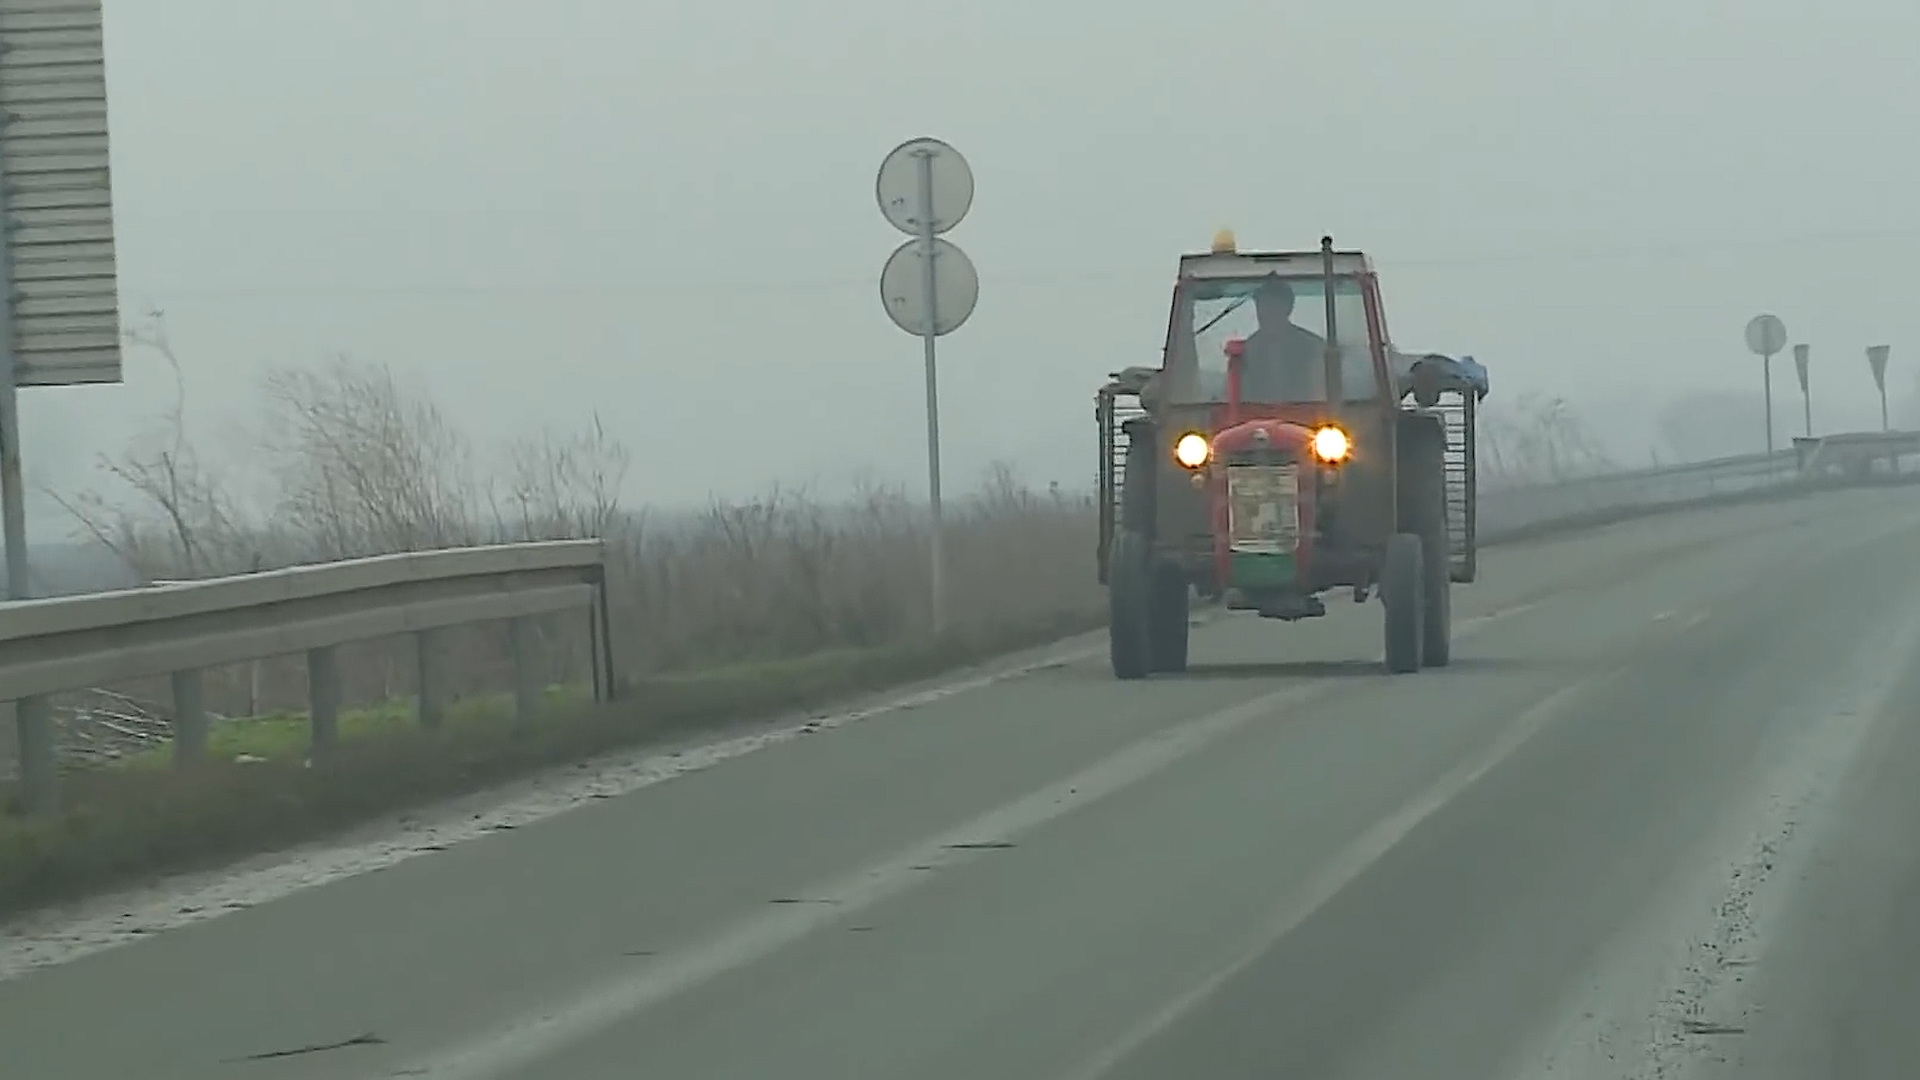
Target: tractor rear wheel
pixel 1168 611
pixel 1402 592
pixel 1436 606
pixel 1129 606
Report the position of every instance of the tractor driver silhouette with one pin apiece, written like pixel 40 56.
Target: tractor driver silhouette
pixel 1282 361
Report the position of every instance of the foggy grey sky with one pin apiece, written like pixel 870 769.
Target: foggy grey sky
pixel 665 212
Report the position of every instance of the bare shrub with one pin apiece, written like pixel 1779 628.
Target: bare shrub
pixel 173 516
pixel 357 463
pixel 1710 424
pixel 564 487
pixel 1537 440
pixel 363 466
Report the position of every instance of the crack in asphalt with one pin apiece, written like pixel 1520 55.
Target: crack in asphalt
pixel 364 1039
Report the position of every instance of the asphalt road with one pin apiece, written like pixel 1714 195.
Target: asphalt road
pixel 1652 823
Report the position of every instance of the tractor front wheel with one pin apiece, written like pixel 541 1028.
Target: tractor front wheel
pixel 1130 606
pixel 1402 589
pixel 1169 609
pixel 1423 512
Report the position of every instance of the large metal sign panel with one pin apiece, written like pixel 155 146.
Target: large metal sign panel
pixel 59 267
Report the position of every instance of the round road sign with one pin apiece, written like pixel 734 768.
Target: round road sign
pixel 1766 335
pixel 903 292
pixel 897 187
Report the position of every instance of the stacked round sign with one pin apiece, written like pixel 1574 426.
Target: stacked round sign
pixel 928 284
pixel 1766 335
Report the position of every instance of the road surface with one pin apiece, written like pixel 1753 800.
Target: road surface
pixel 1654 822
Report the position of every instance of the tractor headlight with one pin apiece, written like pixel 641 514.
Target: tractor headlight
pixel 1331 445
pixel 1191 450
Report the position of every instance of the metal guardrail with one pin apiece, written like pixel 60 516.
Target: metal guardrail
pixel 180 629
pixel 1843 457
pixel 1505 511
pixel 1854 454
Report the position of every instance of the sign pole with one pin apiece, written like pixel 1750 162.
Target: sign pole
pixel 32 717
pixel 59 307
pixel 924 188
pixel 930 291
pixel 1800 353
pixel 1766 378
pixel 13 497
pixel 1766 335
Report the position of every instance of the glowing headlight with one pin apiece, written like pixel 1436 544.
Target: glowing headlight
pixel 1330 444
pixel 1191 450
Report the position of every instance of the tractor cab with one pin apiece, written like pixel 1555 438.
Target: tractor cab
pixel 1273 456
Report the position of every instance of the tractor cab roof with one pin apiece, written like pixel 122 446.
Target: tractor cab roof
pixel 1241 265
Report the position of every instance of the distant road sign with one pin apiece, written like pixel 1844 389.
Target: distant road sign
pixel 59 265
pixel 1766 335
pixel 1800 354
pixel 1877 360
pixel 956 287
pixel 897 187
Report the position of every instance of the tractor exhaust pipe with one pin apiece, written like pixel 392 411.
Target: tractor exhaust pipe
pixel 1236 352
pixel 1335 391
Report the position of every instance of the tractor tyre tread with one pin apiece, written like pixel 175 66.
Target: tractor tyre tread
pixel 1402 594
pixel 1169 608
pixel 1423 493
pixel 1129 596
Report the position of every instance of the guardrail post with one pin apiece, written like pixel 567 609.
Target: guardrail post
pixel 39 755
pixel 523 643
pixel 323 700
pixel 429 646
pixel 189 719
pixel 605 682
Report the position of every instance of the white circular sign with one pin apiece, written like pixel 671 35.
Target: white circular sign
pixel 1766 335
pixel 897 187
pixel 903 287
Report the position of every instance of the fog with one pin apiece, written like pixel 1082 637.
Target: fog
pixel 664 213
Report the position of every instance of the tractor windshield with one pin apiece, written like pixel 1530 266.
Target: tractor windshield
pixel 1282 324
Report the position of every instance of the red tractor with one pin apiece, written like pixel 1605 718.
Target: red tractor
pixel 1284 449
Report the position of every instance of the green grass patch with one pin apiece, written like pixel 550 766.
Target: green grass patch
pixel 142 816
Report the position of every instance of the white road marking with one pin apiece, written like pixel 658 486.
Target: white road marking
pixel 517 1045
pixel 1680 959
pixel 1347 866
